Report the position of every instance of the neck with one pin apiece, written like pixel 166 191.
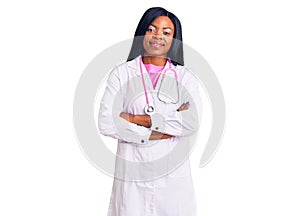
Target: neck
pixel 155 60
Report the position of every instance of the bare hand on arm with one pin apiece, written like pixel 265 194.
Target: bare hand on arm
pixel 184 106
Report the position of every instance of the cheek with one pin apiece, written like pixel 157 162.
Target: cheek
pixel 169 43
pixel 144 43
pixel 146 39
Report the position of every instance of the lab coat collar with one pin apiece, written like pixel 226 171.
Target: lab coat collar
pixel 135 65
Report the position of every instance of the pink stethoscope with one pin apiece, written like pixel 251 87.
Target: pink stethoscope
pixel 149 110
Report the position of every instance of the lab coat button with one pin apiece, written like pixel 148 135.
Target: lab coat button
pixel 142 141
pixel 156 128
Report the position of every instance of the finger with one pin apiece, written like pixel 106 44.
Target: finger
pixel 185 107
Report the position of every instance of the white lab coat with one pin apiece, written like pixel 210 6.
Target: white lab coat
pixel 172 194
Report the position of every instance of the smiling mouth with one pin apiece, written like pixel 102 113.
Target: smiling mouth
pixel 156 44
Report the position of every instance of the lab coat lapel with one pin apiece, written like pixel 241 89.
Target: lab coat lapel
pixel 135 65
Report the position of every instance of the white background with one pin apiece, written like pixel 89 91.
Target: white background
pixel 253 47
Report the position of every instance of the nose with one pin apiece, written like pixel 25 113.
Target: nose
pixel 159 33
pixel 157 36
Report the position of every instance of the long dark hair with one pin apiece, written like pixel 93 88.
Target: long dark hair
pixel 176 51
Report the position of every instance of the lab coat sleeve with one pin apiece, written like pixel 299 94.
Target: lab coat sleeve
pixel 109 121
pixel 186 122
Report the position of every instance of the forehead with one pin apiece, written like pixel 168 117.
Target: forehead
pixel 163 21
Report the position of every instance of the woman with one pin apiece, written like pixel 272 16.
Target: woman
pixel 151 105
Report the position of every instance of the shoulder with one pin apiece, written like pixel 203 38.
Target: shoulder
pixel 186 74
pixel 124 70
pixel 128 65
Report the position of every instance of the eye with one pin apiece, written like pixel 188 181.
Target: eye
pixel 167 33
pixel 150 29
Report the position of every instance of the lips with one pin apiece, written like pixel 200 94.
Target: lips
pixel 156 44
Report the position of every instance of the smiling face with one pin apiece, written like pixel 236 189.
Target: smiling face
pixel 159 36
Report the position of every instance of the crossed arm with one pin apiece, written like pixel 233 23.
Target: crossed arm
pixel 113 122
pixel 145 120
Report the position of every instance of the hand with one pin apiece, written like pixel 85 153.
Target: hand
pixel 142 120
pixel 126 116
pixel 183 106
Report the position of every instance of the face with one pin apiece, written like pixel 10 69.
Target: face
pixel 159 36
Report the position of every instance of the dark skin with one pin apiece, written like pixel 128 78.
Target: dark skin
pixel 144 120
pixel 157 42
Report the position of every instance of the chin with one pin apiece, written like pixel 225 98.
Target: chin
pixel 156 54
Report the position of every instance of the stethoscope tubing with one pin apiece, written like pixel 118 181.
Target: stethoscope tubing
pixel 163 75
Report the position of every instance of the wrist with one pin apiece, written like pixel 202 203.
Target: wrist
pixel 148 118
pixel 132 118
pixel 144 120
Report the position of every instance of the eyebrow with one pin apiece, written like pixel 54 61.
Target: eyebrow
pixel 163 27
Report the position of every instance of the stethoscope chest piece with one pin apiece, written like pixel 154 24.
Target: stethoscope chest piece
pixel 149 110
pixel 169 85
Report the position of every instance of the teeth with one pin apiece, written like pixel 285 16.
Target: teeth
pixel 156 44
